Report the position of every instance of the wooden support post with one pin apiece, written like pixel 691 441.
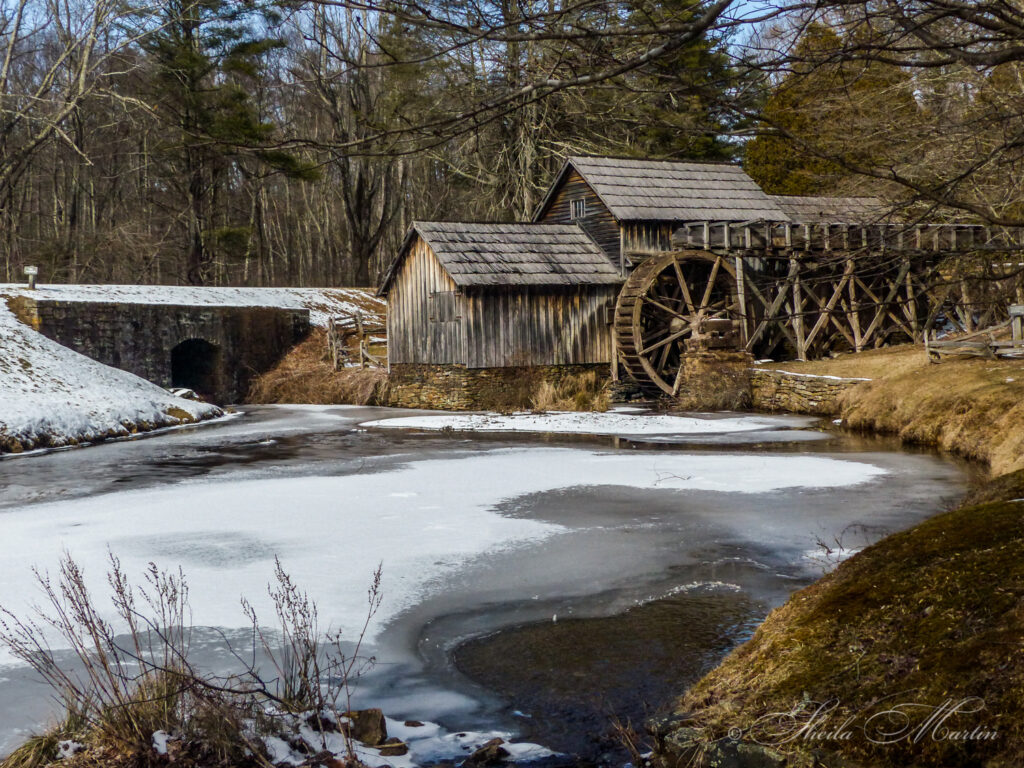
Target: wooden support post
pixel 1017 321
pixel 967 313
pixel 615 354
pixel 741 299
pixel 798 312
pixel 854 314
pixel 911 303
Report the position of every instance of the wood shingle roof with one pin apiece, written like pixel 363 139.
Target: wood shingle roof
pixel 476 254
pixel 833 210
pixel 663 190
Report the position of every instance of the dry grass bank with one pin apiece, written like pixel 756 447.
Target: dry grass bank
pixel 305 375
pixel 931 615
pixel 578 392
pixel 968 406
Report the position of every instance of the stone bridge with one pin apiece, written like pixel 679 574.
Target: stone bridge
pixel 212 349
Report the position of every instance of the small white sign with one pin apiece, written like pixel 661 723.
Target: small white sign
pixel 31 270
pixel 1017 310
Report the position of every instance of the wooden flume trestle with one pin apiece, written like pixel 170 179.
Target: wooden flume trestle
pixel 797 290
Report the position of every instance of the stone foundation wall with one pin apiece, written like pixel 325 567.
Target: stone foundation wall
pixel 775 390
pixel 457 388
pixel 139 338
pixel 714 381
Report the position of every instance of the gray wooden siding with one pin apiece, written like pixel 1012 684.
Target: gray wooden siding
pixel 538 326
pixel 494 327
pixel 416 332
pixel 599 223
pixel 646 236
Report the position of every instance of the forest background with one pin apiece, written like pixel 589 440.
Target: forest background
pixel 287 142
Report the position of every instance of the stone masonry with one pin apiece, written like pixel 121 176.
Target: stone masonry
pixel 457 388
pixel 775 390
pixel 140 338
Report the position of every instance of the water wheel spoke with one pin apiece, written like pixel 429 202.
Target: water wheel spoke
pixel 683 287
pixel 667 340
pixel 659 305
pixel 711 283
pixel 678 381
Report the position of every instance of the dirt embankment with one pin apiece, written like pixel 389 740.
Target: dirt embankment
pixel 967 406
pixel 911 652
pixel 307 375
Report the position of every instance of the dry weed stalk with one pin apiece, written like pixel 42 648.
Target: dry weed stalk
pixel 118 685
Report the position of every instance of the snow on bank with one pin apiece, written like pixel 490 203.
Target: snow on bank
pixel 610 423
pixel 428 744
pixel 51 396
pixel 322 303
pixel 425 521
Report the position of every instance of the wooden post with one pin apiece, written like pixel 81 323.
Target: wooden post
pixel 1017 314
pixel 615 353
pixel 741 298
pixel 361 339
pixel 858 340
pixel 911 302
pixel 798 313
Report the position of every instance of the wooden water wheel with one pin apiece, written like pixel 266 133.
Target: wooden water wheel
pixel 671 304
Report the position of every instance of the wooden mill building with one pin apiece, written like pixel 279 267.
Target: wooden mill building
pixel 634 265
pixel 495 295
pixel 633 206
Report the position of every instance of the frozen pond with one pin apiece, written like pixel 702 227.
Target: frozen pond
pixel 476 531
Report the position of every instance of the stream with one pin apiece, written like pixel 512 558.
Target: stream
pixel 541 585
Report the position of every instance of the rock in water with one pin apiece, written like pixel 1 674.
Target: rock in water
pixel 491 753
pixel 367 726
pixel 393 748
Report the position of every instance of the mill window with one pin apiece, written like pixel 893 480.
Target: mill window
pixel 578 208
pixel 442 307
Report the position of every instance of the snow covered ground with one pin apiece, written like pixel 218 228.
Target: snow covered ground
pixel 52 396
pixel 614 422
pixel 322 303
pixel 428 744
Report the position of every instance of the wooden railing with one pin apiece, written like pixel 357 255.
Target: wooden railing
pixel 750 237
pixel 349 338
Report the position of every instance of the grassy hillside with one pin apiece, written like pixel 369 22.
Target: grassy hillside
pixel 930 617
pixel 910 653
pixel 968 406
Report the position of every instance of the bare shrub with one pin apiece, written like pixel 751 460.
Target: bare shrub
pixel 127 682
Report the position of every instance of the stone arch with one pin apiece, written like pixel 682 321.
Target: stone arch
pixel 197 364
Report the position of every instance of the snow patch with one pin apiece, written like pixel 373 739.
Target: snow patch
pixel 53 394
pixel 609 423
pixel 322 303
pixel 816 375
pixel 68 748
pixel 159 740
pixel 333 531
pixel 427 744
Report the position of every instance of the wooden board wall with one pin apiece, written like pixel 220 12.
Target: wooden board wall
pixel 413 336
pixel 494 327
pixel 646 236
pixel 599 222
pixel 538 326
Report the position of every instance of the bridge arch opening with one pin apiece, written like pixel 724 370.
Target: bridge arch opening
pixel 196 365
